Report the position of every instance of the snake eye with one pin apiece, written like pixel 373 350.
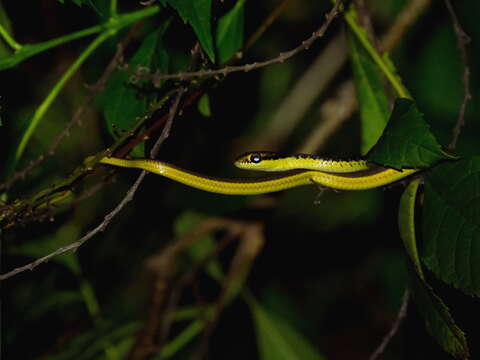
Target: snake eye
pixel 255 159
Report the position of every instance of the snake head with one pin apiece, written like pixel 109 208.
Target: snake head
pixel 257 160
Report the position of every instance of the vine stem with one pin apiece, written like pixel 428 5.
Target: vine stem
pixel 42 109
pixel 9 39
pixel 402 313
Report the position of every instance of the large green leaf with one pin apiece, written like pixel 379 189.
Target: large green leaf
pixel 370 92
pixel 438 320
pixel 451 223
pixel 230 32
pixel 276 339
pixel 197 13
pixel 407 141
pixel 121 102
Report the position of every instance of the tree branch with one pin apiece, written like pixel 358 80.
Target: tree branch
pixel 400 316
pixel 108 218
pixel 462 40
pixel 157 77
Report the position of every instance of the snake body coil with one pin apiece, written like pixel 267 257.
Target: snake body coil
pixel 360 177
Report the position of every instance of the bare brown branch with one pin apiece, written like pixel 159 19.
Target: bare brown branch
pixel 396 325
pixel 168 125
pixel 462 40
pixel 157 77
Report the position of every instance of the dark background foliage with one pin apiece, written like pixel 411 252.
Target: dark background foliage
pixel 335 272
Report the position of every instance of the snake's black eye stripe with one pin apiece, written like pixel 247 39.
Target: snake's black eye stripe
pixel 255 158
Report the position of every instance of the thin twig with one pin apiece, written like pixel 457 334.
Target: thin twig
pixel 305 45
pixel 74 246
pixel 77 116
pixel 400 316
pixel 168 125
pixel 462 40
pixel 108 218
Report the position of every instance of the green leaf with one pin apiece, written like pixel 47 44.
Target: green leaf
pixel 230 32
pixel 204 106
pixel 370 92
pixel 407 141
pixel 451 223
pixel 438 320
pixel 121 102
pixel 197 13
pixel 276 339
